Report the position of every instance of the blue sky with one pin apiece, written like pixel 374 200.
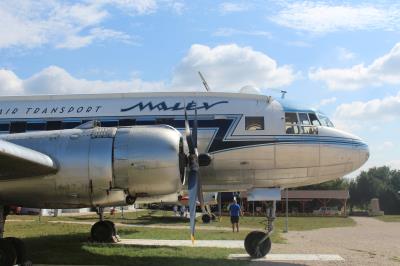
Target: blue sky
pixel 340 56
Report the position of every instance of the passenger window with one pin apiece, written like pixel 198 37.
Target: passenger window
pixel 70 124
pixel 291 123
pixel 17 127
pixel 314 119
pixel 4 127
pixel 36 126
pixel 164 121
pixel 254 123
pixel 127 122
pixel 53 125
pixel 109 123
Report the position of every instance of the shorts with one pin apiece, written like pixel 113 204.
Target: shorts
pixel 234 219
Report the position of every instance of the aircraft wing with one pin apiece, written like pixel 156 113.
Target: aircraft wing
pixel 18 162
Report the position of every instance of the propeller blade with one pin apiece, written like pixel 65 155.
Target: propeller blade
pixel 188 134
pixel 193 184
pixel 195 127
pixel 200 196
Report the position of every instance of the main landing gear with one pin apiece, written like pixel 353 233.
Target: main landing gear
pixel 258 243
pixel 12 250
pixel 104 231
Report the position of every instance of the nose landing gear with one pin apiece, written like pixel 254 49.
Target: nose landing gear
pixel 258 243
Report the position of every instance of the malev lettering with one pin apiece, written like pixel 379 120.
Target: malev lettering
pixel 178 106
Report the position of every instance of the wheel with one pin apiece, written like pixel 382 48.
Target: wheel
pixel 114 228
pixel 8 255
pixel 102 231
pixel 253 246
pixel 206 218
pixel 20 249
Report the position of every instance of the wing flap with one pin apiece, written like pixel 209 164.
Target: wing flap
pixel 17 161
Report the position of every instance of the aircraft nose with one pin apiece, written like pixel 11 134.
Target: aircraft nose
pixel 363 152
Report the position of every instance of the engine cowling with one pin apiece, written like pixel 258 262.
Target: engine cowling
pixel 146 160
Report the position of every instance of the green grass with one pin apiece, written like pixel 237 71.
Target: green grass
pixel 68 244
pixel 389 218
pixel 58 243
pixel 150 217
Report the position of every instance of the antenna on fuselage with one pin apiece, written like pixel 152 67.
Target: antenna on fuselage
pixel 204 82
pixel 283 94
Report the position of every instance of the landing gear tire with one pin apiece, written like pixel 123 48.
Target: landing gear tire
pixel 206 218
pixel 114 228
pixel 8 254
pixel 103 232
pixel 253 246
pixel 19 248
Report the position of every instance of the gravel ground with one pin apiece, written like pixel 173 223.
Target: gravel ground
pixel 370 242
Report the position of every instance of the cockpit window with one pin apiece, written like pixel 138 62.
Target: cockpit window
pixel 301 123
pixel 254 123
pixel 304 119
pixel 325 121
pixel 314 119
pixel 291 123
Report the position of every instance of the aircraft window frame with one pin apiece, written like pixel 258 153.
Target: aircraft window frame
pixel 17 126
pixel 254 123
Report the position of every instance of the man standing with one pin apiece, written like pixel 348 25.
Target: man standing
pixel 234 212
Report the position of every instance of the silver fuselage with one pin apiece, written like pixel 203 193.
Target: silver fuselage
pixel 241 159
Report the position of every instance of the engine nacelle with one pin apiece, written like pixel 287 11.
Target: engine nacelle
pixel 99 167
pixel 146 160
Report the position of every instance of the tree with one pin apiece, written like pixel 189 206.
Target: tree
pixel 377 182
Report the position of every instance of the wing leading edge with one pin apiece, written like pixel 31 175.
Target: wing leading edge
pixel 19 162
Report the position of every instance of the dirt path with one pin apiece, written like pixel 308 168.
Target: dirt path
pixel 370 242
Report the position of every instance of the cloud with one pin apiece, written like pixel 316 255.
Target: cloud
pixel 325 16
pixel 378 110
pixel 226 68
pixel 71 25
pixel 227 32
pixel 177 6
pixel 230 67
pixel 229 7
pixel 383 70
pixel 55 80
pixel 133 7
pixel 327 101
pixel 345 54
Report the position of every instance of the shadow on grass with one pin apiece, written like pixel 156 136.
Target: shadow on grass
pixel 148 219
pixel 74 249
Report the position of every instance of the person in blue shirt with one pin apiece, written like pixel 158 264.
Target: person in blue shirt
pixel 234 212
